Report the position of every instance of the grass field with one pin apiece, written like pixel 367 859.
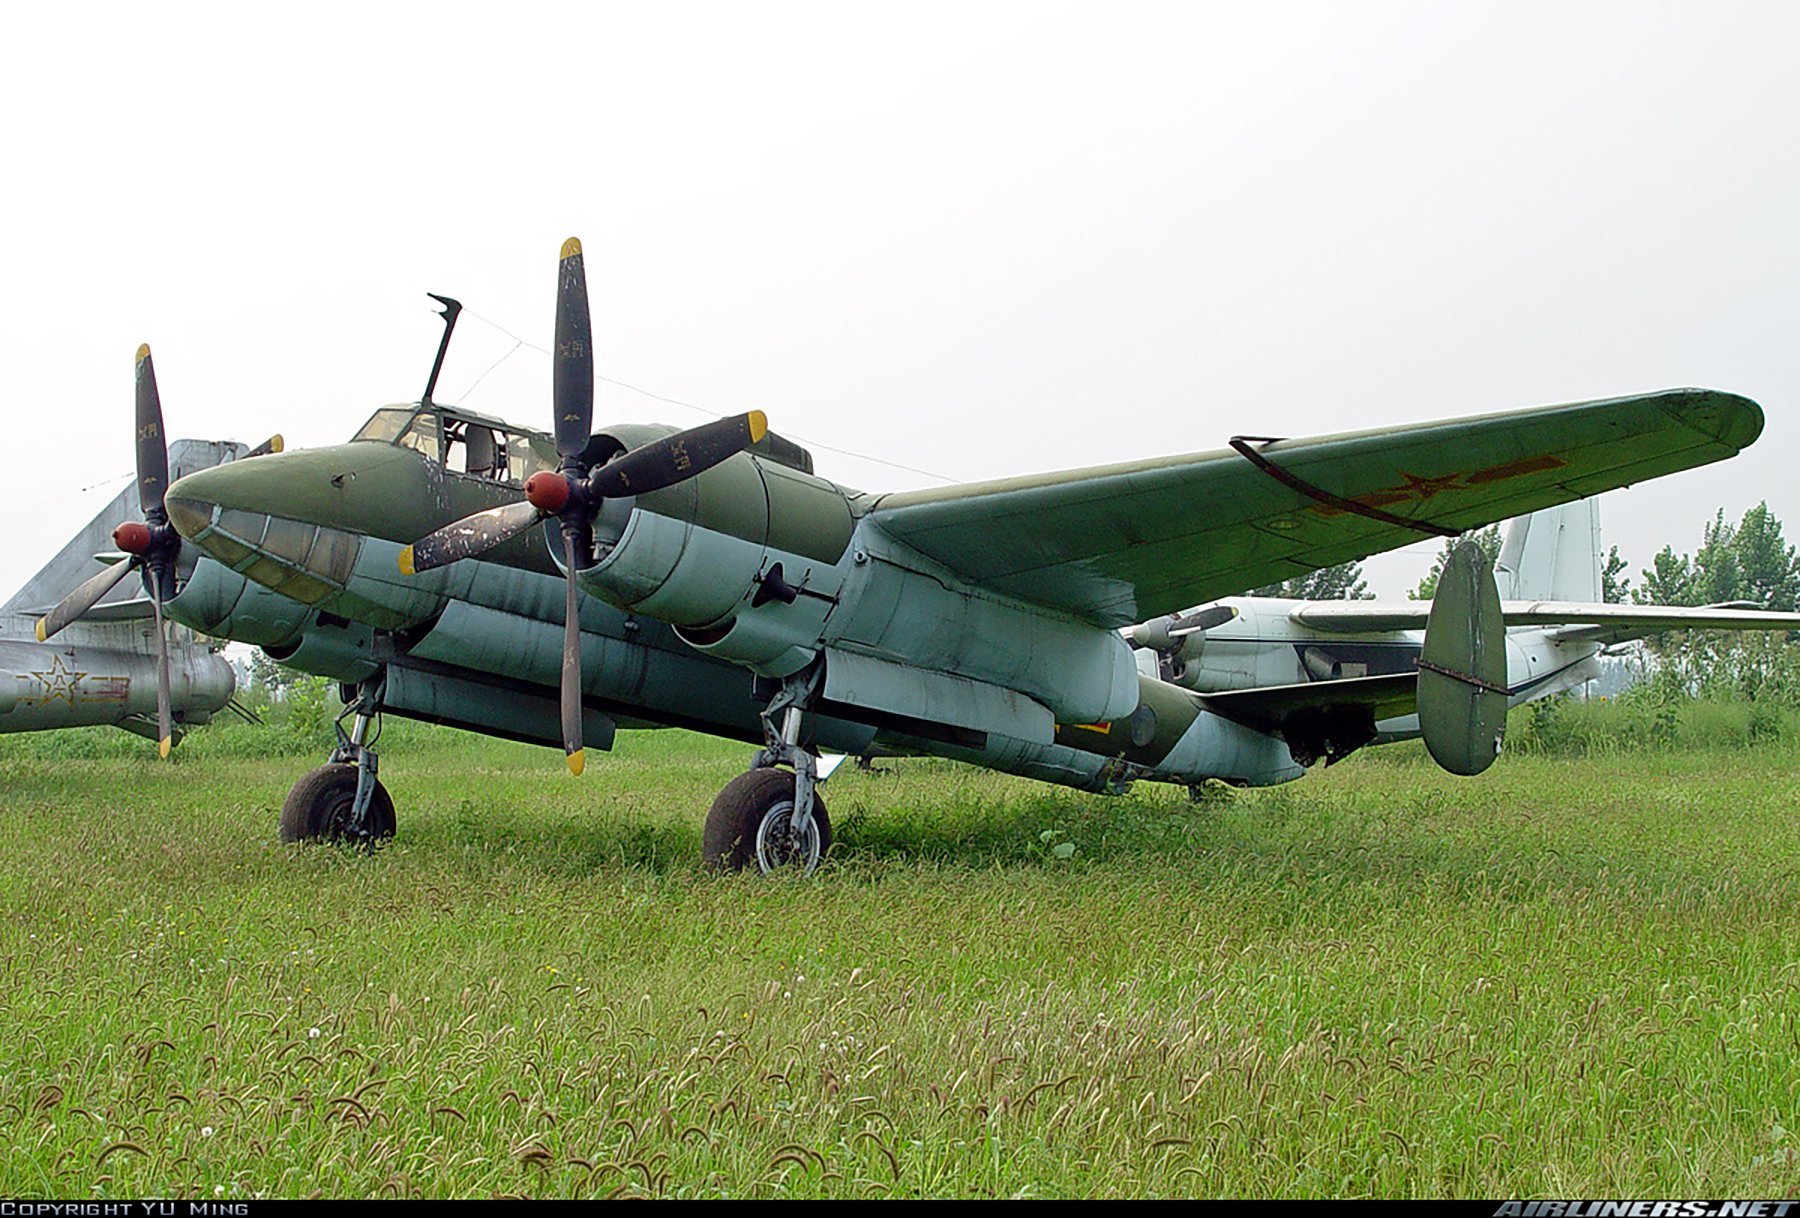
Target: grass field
pixel 1572 976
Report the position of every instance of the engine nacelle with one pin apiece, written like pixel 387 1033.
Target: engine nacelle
pixel 341 652
pixel 1178 641
pixel 763 564
pixel 222 603
pixel 746 561
pixel 1231 652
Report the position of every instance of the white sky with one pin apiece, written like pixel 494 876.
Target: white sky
pixel 975 239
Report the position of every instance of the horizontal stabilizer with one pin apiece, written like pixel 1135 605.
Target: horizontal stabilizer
pixel 132 609
pixel 1269 708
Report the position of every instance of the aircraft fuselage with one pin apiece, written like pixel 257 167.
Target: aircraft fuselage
pixel 64 684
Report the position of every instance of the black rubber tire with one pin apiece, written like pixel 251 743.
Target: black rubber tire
pixel 318 806
pixel 747 800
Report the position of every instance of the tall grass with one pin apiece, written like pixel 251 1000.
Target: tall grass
pixel 1574 975
pixel 1565 727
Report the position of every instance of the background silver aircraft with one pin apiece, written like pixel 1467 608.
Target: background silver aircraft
pixel 103 668
pixel 1250 655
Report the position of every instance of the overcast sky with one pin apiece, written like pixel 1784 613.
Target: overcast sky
pixel 967 239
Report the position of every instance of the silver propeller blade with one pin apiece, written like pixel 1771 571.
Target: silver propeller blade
pixel 84 598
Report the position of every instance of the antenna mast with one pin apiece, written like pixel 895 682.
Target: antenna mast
pixel 451 309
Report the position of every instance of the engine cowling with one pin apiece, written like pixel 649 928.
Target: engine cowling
pixel 1179 641
pixel 746 560
pixel 767 565
pixel 220 602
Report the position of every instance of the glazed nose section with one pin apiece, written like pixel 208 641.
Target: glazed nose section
pixel 300 560
pixel 192 501
pixel 202 507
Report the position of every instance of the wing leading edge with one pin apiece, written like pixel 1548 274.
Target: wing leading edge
pixel 1609 623
pixel 1118 544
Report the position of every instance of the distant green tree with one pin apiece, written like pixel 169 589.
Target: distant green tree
pixel 1769 570
pixel 271 676
pixel 1343 582
pixel 1748 561
pixel 1489 541
pixel 1718 576
pixel 1669 580
pixel 1613 589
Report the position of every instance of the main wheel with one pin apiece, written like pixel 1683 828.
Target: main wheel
pixel 318 808
pixel 750 825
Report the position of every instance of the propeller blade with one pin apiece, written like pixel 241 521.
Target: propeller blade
pixel 672 459
pixel 273 444
pixel 469 536
pixel 159 575
pixel 573 371
pixel 83 598
pixel 152 451
pixel 573 742
pixel 1205 619
pixel 165 729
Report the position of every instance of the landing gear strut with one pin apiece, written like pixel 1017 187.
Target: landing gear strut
pixel 343 800
pixel 771 818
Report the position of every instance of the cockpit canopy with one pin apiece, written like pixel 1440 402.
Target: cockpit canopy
pixel 463 441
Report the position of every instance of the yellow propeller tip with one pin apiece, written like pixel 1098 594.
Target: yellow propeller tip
pixel 577 762
pixel 406 562
pixel 162 748
pixel 42 637
pixel 759 425
pixel 143 352
pixel 572 248
pixel 277 444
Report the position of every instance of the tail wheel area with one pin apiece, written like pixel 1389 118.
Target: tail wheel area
pixel 321 807
pixel 751 825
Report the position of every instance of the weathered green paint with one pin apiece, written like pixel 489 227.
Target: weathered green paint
pixel 1122 543
pixel 437 697
pixel 807 515
pixel 378 490
pixel 1462 666
pixel 342 652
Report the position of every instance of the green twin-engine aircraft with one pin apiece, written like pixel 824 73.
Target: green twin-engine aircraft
pixel 710 579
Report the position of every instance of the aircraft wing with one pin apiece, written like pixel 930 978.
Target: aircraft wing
pixel 1585 622
pixel 1640 621
pixel 1118 544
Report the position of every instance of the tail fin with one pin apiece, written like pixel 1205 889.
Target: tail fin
pixel 1552 555
pixel 75 561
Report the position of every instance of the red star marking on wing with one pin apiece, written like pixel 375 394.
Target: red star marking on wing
pixel 1425 488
